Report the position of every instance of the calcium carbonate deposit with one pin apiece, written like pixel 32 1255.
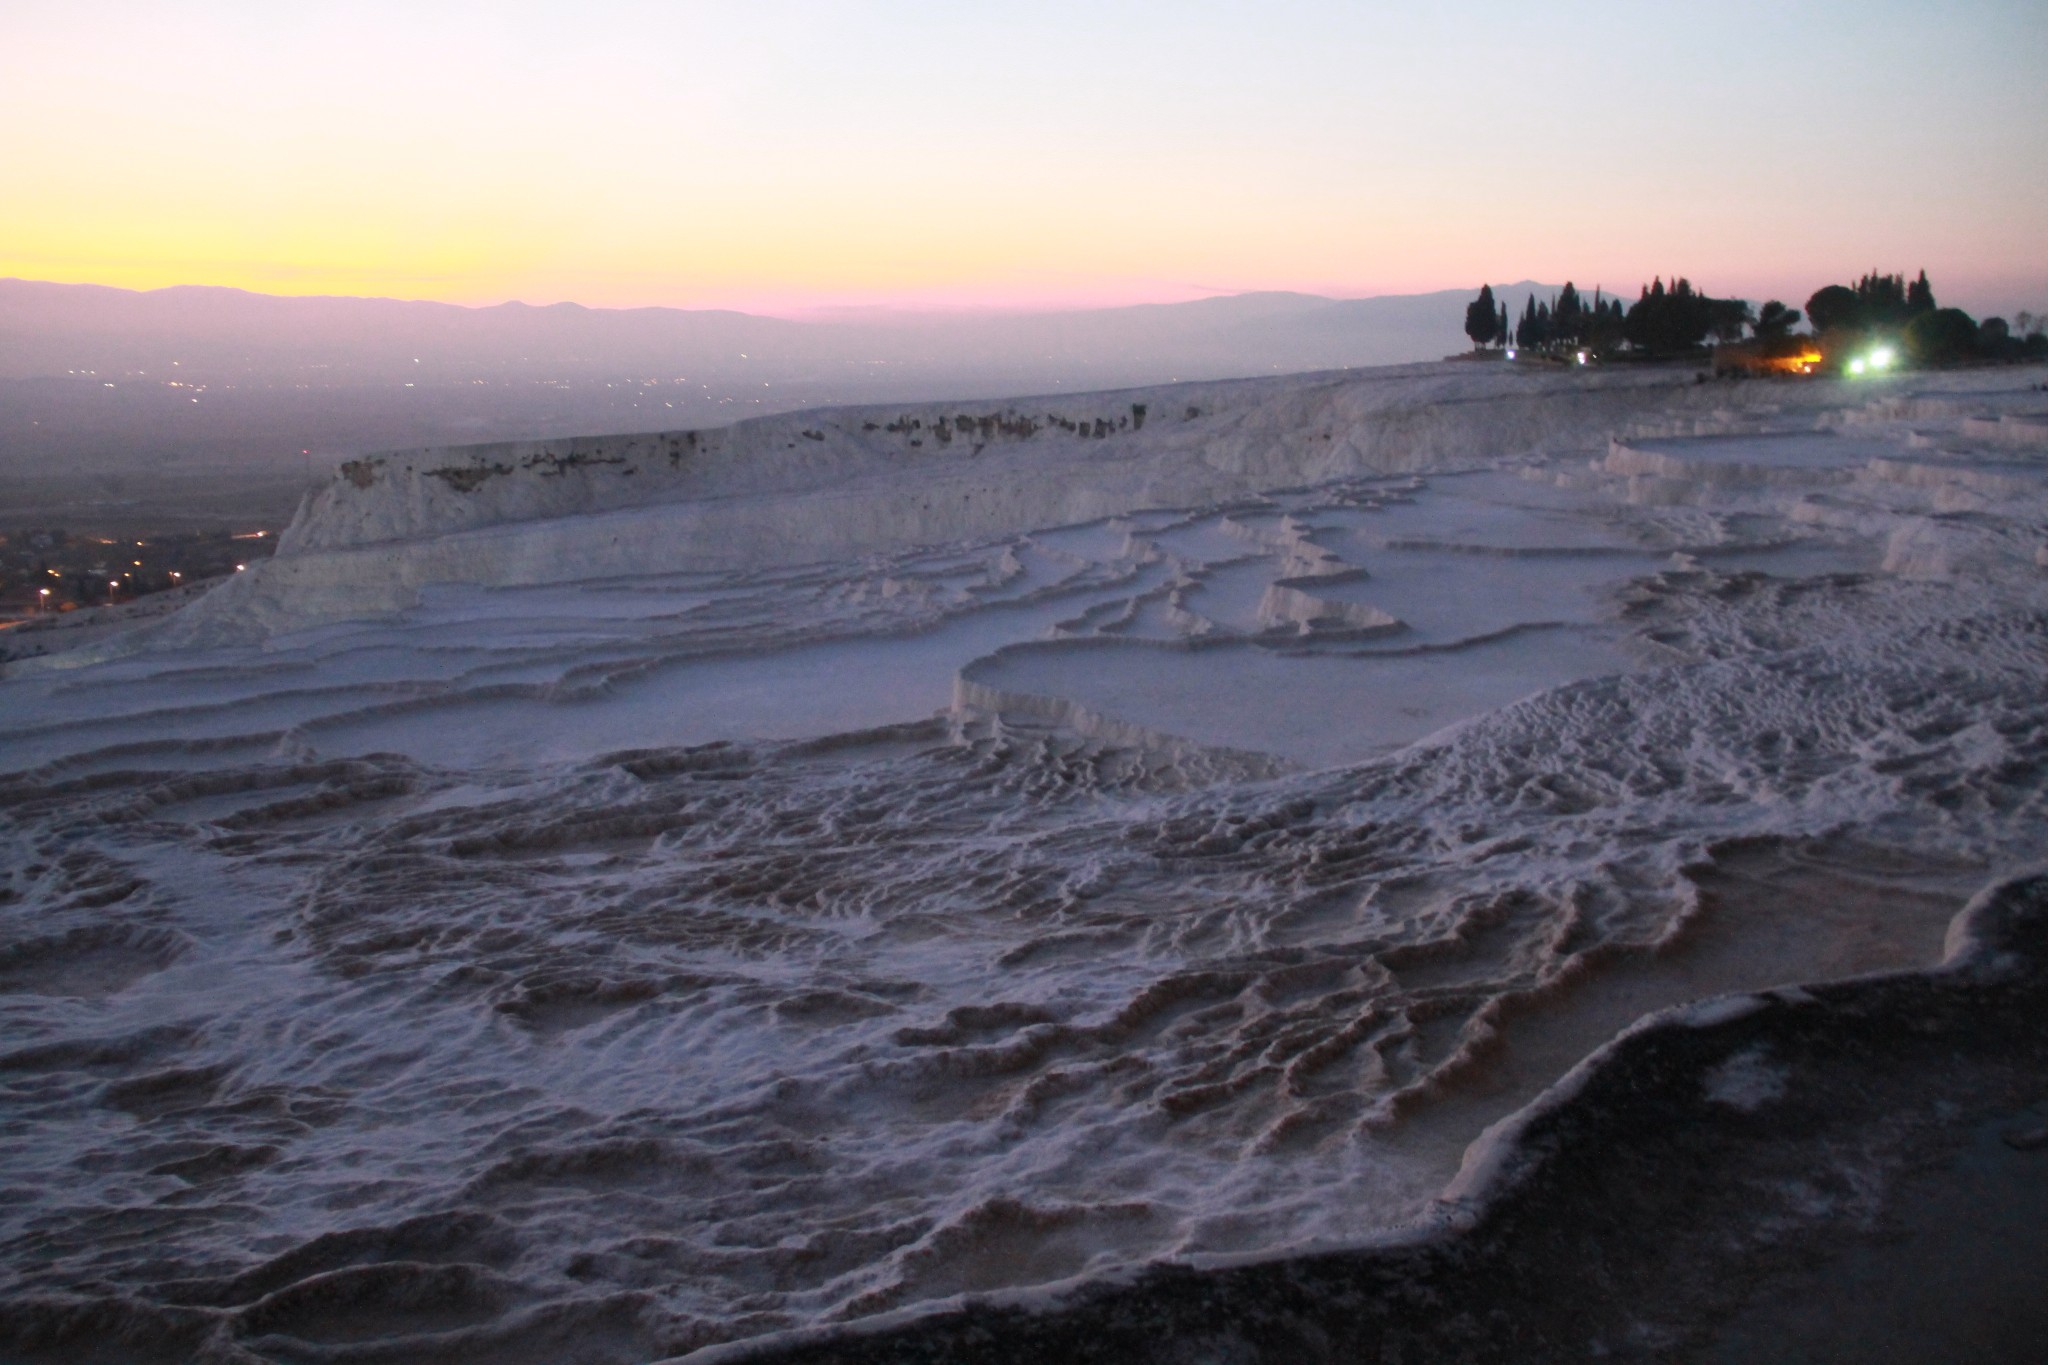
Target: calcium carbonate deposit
pixel 595 900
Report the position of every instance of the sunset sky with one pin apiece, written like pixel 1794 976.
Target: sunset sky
pixel 784 155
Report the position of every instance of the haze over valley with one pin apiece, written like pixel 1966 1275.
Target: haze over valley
pixel 201 407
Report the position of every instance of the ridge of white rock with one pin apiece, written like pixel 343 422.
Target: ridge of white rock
pixel 1296 429
pixel 830 483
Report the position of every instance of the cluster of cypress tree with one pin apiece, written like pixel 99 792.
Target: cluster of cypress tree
pixel 1664 320
pixel 1569 321
pixel 1669 321
pixel 1876 302
pixel 1485 325
pixel 1886 306
pixel 1660 321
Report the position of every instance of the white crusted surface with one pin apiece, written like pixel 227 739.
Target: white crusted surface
pixel 341 924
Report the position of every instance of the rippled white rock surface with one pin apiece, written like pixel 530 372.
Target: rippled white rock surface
pixel 590 908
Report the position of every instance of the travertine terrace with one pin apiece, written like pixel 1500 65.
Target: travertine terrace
pixel 606 899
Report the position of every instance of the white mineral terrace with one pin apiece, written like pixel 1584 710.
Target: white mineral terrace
pixel 677 888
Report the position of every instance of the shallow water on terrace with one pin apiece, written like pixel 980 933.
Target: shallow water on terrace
pixel 435 684
pixel 788 693
pixel 1316 709
pixel 1098 540
pixel 1786 450
pixel 1230 596
pixel 1500 511
pixel 1802 559
pixel 1449 595
pixel 1204 542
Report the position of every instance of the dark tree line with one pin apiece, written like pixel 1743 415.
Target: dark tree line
pixel 1482 321
pixel 1875 302
pixel 1569 321
pixel 1660 322
pixel 1663 321
pixel 1887 306
pixel 1774 322
pixel 1565 321
pixel 1678 319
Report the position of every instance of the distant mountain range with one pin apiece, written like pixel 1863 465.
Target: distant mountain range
pixel 120 407
pixel 227 334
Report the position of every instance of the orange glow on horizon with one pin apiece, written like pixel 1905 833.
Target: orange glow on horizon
pixel 798 155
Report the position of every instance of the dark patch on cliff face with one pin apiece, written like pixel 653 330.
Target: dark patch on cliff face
pixel 678 444
pixel 1008 424
pixel 468 478
pixel 553 466
pixel 547 464
pixel 361 473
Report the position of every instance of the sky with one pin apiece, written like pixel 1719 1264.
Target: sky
pixel 788 156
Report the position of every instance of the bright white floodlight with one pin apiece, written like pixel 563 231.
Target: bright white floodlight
pixel 1856 366
pixel 1881 358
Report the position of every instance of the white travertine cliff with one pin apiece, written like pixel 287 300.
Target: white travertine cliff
pixel 834 482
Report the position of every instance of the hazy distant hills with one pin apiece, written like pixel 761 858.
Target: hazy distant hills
pixel 113 398
pixel 54 329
